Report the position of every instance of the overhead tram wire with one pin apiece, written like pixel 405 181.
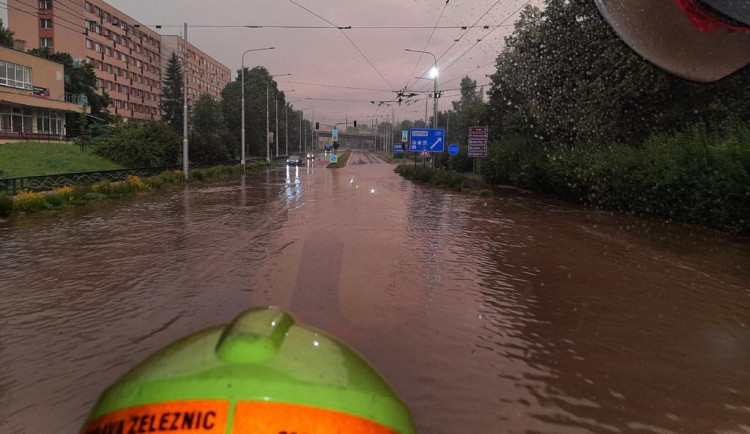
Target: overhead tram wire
pixel 409 77
pixel 348 38
pixel 466 31
pixel 335 87
pixel 36 15
pixel 451 64
pixel 34 9
pixel 301 27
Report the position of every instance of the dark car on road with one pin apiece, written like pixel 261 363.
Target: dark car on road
pixel 295 160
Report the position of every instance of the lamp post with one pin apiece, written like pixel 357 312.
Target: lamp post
pixel 286 122
pixel 434 75
pixel 243 99
pixel 268 117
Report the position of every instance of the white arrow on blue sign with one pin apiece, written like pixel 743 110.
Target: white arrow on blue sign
pixel 431 139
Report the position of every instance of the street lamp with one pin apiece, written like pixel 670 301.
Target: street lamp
pixel 243 99
pixel 268 118
pixel 286 124
pixel 433 75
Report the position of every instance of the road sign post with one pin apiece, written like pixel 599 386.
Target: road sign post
pixel 453 150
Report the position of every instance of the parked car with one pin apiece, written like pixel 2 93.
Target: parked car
pixel 294 160
pixel 310 156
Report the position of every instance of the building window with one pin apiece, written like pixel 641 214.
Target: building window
pixel 46 23
pixel 98 83
pixel 97 11
pixel 108 51
pixel 115 20
pixel 49 121
pixel 45 4
pixel 99 65
pixel 109 85
pixel 109 68
pixel 117 103
pixel 88 7
pixel 89 44
pixel 106 16
pixel 15 75
pixel 98 47
pixel 46 42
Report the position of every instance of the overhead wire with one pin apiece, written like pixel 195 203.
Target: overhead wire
pixel 408 78
pixel 36 16
pixel 348 38
pixel 452 63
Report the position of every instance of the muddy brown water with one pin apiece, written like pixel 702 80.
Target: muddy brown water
pixel 487 315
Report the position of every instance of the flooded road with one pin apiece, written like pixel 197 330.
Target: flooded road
pixel 487 315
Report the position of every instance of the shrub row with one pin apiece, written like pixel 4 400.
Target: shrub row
pixel 697 176
pixel 28 201
pixel 442 178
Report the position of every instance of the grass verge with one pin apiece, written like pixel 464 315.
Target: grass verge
pixel 343 159
pixel 444 179
pixel 30 202
pixel 32 159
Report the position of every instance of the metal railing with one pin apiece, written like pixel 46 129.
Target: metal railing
pixel 50 182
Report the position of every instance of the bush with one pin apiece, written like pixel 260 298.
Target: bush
pixel 197 175
pixel 207 147
pixel 697 175
pixel 60 196
pixel 143 145
pixel 6 205
pixel 29 201
pixel 95 196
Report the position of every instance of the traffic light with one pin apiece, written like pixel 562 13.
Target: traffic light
pixel 317 125
pixel 355 124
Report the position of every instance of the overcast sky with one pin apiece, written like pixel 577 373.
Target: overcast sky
pixel 325 56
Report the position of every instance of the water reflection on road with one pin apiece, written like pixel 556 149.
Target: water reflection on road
pixel 503 314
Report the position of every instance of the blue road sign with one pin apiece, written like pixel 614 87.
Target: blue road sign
pixel 453 149
pixel 335 135
pixel 334 158
pixel 405 136
pixel 431 139
pixel 398 148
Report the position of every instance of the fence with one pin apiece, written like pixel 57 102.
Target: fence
pixel 51 182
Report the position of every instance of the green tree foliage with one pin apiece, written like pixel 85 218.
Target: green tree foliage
pixel 565 77
pixel 6 36
pixel 80 79
pixel 256 81
pixel 141 145
pixel 172 94
pixel 208 116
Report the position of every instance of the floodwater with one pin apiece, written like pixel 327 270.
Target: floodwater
pixel 488 315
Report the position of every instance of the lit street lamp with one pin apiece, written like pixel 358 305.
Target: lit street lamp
pixel 434 75
pixel 243 100
pixel 268 119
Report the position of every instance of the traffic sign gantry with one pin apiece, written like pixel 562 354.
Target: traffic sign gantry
pixel 430 139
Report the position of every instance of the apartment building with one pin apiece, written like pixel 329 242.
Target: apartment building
pixel 33 102
pixel 205 74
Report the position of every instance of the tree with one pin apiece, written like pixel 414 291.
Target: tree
pixel 6 35
pixel 208 116
pixel 172 95
pixel 80 79
pixel 256 82
pixel 467 111
pixel 565 77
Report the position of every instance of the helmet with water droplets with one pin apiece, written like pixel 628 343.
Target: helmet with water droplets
pixel 701 40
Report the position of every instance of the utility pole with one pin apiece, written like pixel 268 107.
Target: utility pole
pixel 286 126
pixel 185 156
pixel 300 132
pixel 268 125
pixel 276 136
